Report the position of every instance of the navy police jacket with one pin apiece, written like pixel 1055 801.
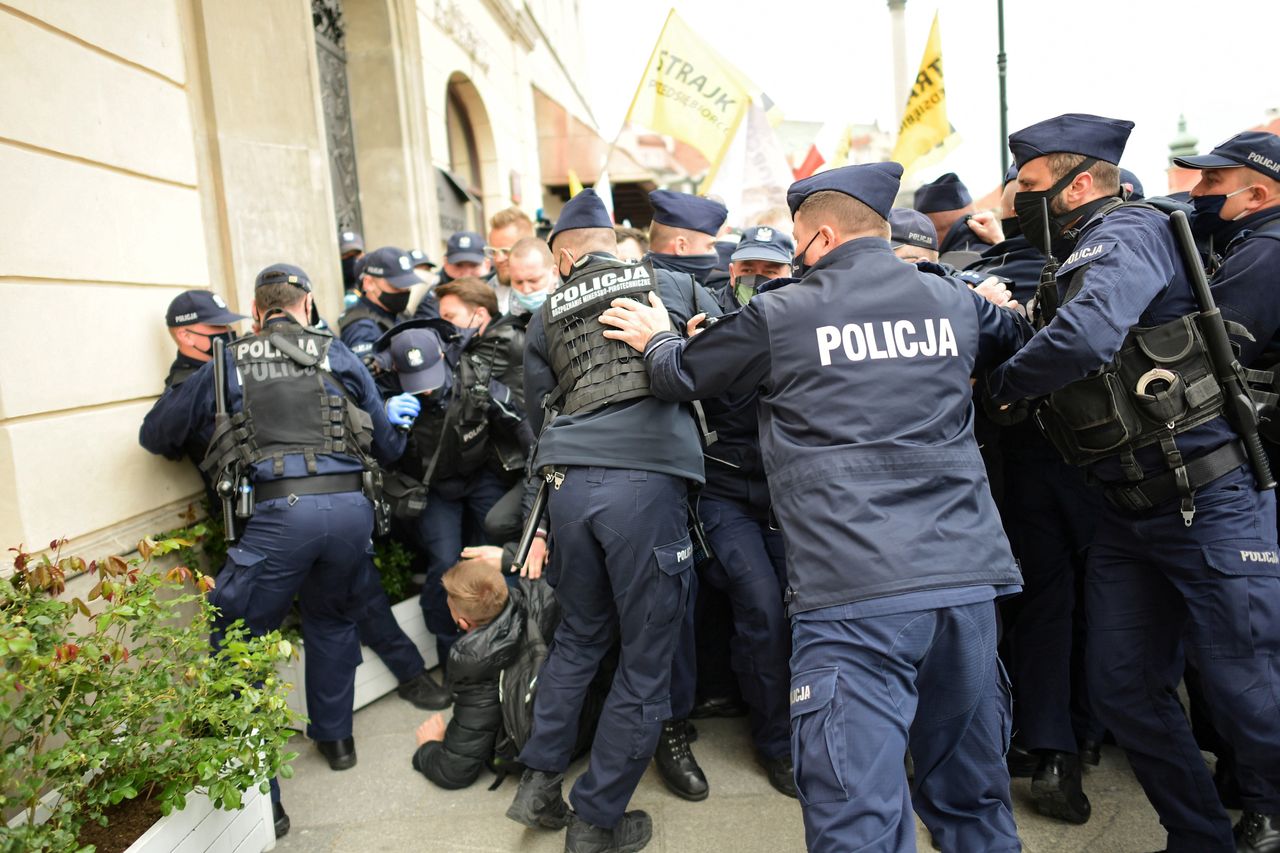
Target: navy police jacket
pixel 1245 286
pixel 1132 275
pixel 361 334
pixel 866 422
pixel 645 434
pixel 186 414
pixel 1015 259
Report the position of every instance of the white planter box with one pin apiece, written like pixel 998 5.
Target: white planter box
pixel 373 679
pixel 200 827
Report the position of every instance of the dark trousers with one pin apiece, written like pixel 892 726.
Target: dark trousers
pixel 378 629
pixel 750 567
pixel 1156 589
pixel 446 526
pixel 1050 513
pixel 316 549
pixel 864 689
pixel 621 568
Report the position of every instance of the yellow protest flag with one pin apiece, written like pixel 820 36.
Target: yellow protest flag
pixel 575 183
pixel 925 133
pixel 690 92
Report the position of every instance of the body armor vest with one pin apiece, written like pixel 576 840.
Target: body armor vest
pixel 457 441
pixel 592 370
pixel 359 312
pixel 287 407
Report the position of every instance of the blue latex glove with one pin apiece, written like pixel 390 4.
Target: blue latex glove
pixel 402 409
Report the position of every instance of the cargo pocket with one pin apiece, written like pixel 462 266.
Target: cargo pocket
pixel 645 739
pixel 1005 699
pixel 1241 573
pixel 817 736
pixel 234 584
pixel 671 582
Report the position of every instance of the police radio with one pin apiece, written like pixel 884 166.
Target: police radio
pixel 1047 300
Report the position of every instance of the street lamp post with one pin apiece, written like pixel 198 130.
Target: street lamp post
pixel 1002 64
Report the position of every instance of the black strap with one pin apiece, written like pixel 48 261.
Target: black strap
pixel 321 484
pixel 1172 484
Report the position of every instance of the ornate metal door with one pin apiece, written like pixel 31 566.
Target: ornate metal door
pixel 331 52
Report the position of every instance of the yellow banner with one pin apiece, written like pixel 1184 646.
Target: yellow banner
pixel 575 184
pixel 690 92
pixel 925 134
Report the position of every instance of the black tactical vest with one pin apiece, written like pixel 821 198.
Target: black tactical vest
pixel 592 370
pixel 287 407
pixel 457 440
pixel 359 312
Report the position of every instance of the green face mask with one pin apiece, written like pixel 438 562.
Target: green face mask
pixel 745 287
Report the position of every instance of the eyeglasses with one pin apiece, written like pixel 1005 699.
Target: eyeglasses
pixel 495 252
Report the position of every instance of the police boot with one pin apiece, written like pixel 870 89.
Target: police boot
pixel 1022 763
pixel 1258 833
pixel 280 819
pixel 1056 788
pixel 632 833
pixel 538 803
pixel 781 774
pixel 341 754
pixel 422 692
pixel 676 764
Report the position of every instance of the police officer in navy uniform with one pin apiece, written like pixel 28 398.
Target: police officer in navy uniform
pixel 306 423
pixel 385 279
pixel 1184 557
pixel 949 206
pixel 350 251
pixel 734 508
pixel 912 235
pixel 682 235
pixel 622 559
pixel 895 554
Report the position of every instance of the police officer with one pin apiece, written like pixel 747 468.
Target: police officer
pixel 350 250
pixel 894 550
pixel 296 447
pixel 1184 557
pixel 386 276
pixel 622 558
pixel 949 206
pixel 912 235
pixel 452 449
pixel 734 508
pixel 1011 257
pixel 682 235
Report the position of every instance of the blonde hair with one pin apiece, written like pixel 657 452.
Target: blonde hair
pixel 476 590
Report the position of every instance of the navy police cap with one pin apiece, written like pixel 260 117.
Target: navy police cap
pixel 391 264
pixel 418 359
pixel 200 306
pixel 946 193
pixel 1072 133
pixel 909 227
pixel 1011 174
pixel 283 274
pixel 464 247
pixel 419 258
pixel 350 241
pixel 1258 150
pixel 1127 177
pixel 584 210
pixel 873 184
pixel 763 243
pixel 682 210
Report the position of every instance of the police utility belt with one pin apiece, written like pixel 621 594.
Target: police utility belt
pixel 1160 385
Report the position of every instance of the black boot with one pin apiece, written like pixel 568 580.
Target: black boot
pixel 632 833
pixel 281 819
pixel 676 764
pixel 781 774
pixel 1056 788
pixel 539 803
pixel 341 754
pixel 1090 752
pixel 1022 763
pixel 1258 833
pixel 422 692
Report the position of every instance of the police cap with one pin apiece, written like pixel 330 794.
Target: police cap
pixel 350 241
pixel 682 210
pixel 1011 174
pixel 200 306
pixel 1256 149
pixel 464 247
pixel 909 227
pixel 873 184
pixel 946 193
pixel 419 259
pixel 283 274
pixel 584 210
pixel 763 243
pixel 418 359
pixel 1127 177
pixel 391 264
pixel 1072 133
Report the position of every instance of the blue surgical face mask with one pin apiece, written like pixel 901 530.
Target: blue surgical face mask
pixel 530 302
pixel 1206 219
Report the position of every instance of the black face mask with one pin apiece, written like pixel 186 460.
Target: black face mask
pixel 1010 227
pixel 395 301
pixel 698 266
pixel 797 263
pixel 349 272
pixel 1032 209
pixel 226 337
